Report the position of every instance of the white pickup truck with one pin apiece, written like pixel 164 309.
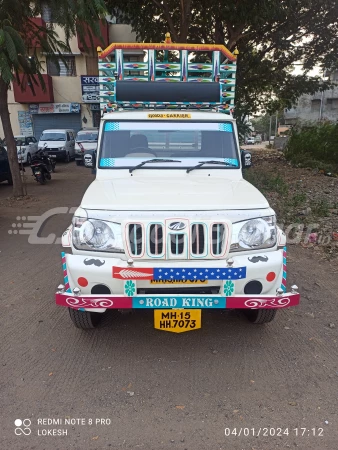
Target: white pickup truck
pixel 169 223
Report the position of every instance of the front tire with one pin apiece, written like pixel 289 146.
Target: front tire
pixel 67 160
pixel 85 320
pixel 261 315
pixel 29 159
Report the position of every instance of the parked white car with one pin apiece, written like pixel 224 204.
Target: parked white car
pixel 86 139
pixel 26 147
pixel 59 144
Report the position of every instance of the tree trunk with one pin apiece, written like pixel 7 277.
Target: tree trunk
pixel 18 190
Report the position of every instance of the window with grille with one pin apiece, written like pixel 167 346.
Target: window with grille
pixel 67 68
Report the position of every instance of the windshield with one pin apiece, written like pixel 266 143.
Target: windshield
pixel 18 141
pixel 87 136
pixel 125 143
pixel 50 136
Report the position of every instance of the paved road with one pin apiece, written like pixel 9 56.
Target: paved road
pixel 156 390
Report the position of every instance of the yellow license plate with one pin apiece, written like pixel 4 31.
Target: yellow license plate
pixel 177 320
pixel 178 281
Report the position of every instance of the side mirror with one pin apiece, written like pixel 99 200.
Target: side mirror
pixel 246 159
pixel 90 159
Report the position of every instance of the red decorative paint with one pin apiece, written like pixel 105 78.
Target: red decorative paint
pixel 133 273
pixel 83 282
pixel 88 302
pixel 270 276
pixel 262 302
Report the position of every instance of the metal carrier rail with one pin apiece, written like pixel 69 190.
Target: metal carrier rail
pixel 216 79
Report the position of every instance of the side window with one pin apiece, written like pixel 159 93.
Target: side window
pixel 71 136
pixel 28 140
pixel 68 137
pixel 34 140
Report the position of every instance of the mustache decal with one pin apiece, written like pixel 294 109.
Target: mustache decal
pixel 96 262
pixel 255 259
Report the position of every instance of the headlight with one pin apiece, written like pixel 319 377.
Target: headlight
pixel 62 148
pixel 254 234
pixel 97 235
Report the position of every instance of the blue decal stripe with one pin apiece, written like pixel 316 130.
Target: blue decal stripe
pixel 227 127
pixel 107 162
pixel 182 274
pixel 112 126
pixel 284 274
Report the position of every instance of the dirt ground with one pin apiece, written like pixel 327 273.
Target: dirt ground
pixel 269 387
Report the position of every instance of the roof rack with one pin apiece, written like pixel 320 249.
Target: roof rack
pixel 219 76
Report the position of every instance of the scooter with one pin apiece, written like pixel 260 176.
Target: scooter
pixel 42 165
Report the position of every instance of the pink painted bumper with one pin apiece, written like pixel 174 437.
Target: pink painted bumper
pixel 90 302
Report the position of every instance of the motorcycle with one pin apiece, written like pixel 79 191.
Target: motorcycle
pixel 42 165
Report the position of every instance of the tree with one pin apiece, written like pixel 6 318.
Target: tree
pixel 271 35
pixel 19 55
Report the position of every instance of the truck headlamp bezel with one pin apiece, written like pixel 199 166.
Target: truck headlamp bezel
pixel 97 235
pixel 254 234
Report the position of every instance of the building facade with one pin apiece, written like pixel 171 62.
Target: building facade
pixel 314 108
pixel 71 96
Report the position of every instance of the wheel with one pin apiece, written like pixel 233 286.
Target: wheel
pixel 78 163
pixel 67 158
pixel 261 315
pixel 85 319
pixel 10 180
pixel 53 166
pixel 29 159
pixel 48 176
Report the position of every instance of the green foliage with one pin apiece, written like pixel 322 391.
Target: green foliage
pixel 314 146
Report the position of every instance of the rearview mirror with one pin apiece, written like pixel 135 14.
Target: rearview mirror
pixel 246 159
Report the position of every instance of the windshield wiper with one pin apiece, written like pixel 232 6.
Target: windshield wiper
pixel 156 160
pixel 201 163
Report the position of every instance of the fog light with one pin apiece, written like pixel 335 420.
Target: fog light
pixel 253 287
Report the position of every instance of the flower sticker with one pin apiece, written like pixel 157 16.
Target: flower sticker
pixel 129 288
pixel 229 288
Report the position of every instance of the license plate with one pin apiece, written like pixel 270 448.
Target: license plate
pixel 178 281
pixel 52 156
pixel 177 320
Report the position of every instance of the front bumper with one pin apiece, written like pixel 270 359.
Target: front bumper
pixel 141 286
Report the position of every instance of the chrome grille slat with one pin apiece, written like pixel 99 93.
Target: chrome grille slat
pixel 136 239
pixel 177 243
pixel 155 239
pixel 217 236
pixel 198 239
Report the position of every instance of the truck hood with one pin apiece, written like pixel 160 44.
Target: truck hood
pixel 156 194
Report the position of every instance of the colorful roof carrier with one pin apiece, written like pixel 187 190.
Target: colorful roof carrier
pixel 162 84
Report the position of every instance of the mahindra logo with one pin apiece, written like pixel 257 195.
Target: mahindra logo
pixel 177 226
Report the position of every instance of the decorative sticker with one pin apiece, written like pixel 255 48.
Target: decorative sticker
pixel 107 162
pixel 181 301
pixel 178 273
pixel 129 288
pixel 228 288
pixel 227 127
pixel 111 126
pixel 169 116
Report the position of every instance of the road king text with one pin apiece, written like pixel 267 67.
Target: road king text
pixel 172 302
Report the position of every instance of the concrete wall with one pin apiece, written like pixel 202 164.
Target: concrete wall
pixel 309 106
